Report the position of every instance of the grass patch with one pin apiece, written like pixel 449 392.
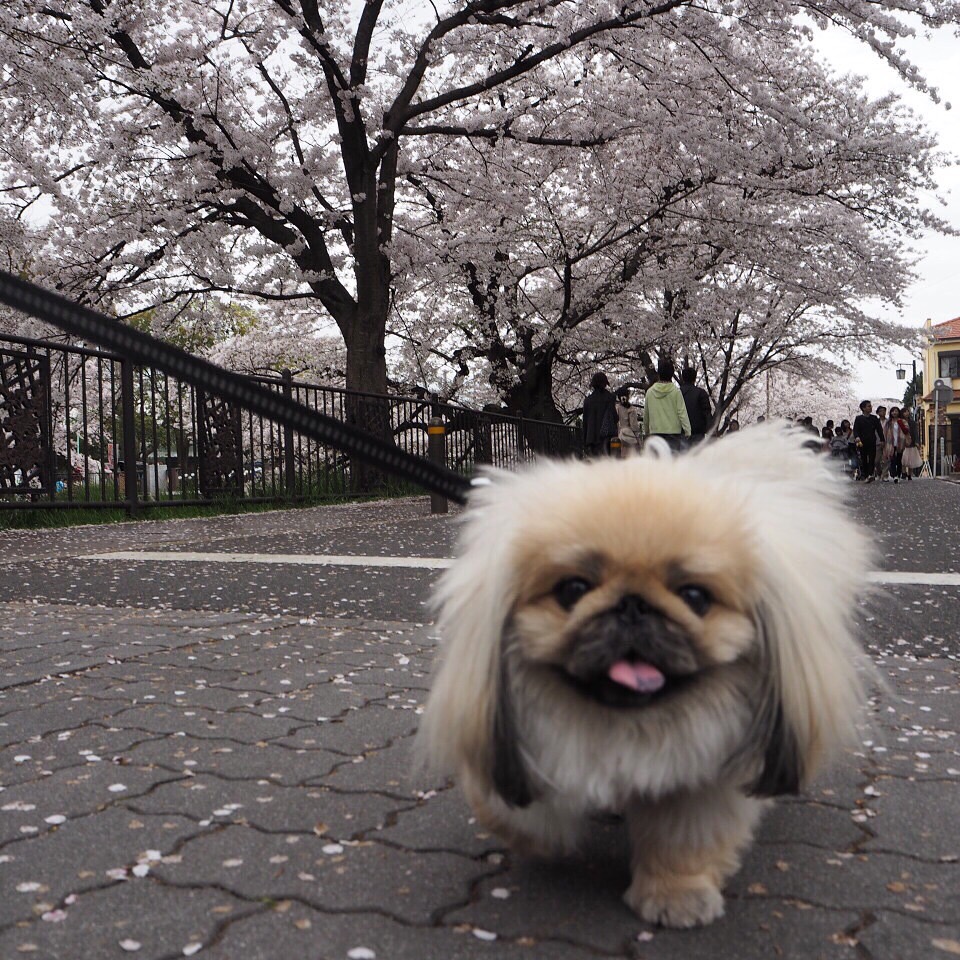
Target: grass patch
pixel 52 519
pixel 38 519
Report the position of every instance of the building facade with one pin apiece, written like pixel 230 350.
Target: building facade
pixel 943 363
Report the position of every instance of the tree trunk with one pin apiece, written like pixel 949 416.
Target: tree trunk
pixel 531 395
pixel 367 406
pixel 365 331
pixel 364 324
pixel 366 359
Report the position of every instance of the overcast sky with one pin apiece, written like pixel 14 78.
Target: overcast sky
pixel 936 293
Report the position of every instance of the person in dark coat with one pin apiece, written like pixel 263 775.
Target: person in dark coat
pixel 697 402
pixel 867 431
pixel 600 422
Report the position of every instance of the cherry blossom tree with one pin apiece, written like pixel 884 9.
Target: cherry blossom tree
pixel 813 388
pixel 259 148
pixel 19 246
pixel 278 341
pixel 714 227
pixel 778 333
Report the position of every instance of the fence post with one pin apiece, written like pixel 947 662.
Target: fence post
pixel 130 451
pixel 289 466
pixel 48 472
pixel 437 452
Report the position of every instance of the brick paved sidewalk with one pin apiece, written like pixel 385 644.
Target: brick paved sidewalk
pixel 239 786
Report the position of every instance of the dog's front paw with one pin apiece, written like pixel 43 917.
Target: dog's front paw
pixel 675 902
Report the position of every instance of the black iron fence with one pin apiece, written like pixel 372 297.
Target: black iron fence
pixel 81 427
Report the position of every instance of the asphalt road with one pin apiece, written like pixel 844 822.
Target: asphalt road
pixel 210 758
pixel 916 527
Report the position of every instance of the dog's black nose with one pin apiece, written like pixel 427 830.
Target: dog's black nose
pixel 632 608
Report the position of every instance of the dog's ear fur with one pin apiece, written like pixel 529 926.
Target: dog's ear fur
pixel 813 560
pixel 469 727
pixel 509 773
pixel 771 736
pixel 782 770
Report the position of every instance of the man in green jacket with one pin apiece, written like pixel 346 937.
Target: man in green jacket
pixel 664 412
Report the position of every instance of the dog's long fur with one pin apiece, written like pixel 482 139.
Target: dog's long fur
pixel 759 521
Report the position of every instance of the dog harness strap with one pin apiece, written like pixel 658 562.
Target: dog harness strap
pixel 148 351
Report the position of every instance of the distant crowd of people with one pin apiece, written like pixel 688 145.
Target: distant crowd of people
pixel 679 415
pixel 886 446
pixel 876 446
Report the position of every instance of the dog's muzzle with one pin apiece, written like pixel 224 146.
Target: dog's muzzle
pixel 630 655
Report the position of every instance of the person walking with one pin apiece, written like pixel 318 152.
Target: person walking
pixel 866 432
pixel 882 466
pixel 838 442
pixel 599 417
pixel 826 435
pixel 912 460
pixel 846 446
pixel 628 424
pixel 896 435
pixel 664 412
pixel 697 402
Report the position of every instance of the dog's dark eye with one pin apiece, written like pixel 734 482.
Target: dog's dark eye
pixel 696 598
pixel 569 591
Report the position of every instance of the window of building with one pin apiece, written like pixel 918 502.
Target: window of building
pixel 950 365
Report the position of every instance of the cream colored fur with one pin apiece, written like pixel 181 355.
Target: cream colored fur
pixel 755 508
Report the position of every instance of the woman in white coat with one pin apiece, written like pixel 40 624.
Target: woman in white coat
pixel 628 425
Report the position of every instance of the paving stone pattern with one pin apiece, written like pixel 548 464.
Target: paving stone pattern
pixel 230 776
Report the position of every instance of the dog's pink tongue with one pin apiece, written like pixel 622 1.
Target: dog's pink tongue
pixel 641 677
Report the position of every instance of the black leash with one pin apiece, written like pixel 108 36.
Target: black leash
pixel 149 352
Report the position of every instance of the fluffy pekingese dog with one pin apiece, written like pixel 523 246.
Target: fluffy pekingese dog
pixel 666 637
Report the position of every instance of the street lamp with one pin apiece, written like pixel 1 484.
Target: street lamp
pixel 902 371
pixel 902 375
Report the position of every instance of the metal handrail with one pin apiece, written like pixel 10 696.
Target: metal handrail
pixel 107 406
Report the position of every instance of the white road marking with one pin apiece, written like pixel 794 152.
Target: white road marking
pixel 299 559
pixel 890 577
pixel 915 579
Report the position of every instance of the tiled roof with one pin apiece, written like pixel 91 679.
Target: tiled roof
pixel 947 331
